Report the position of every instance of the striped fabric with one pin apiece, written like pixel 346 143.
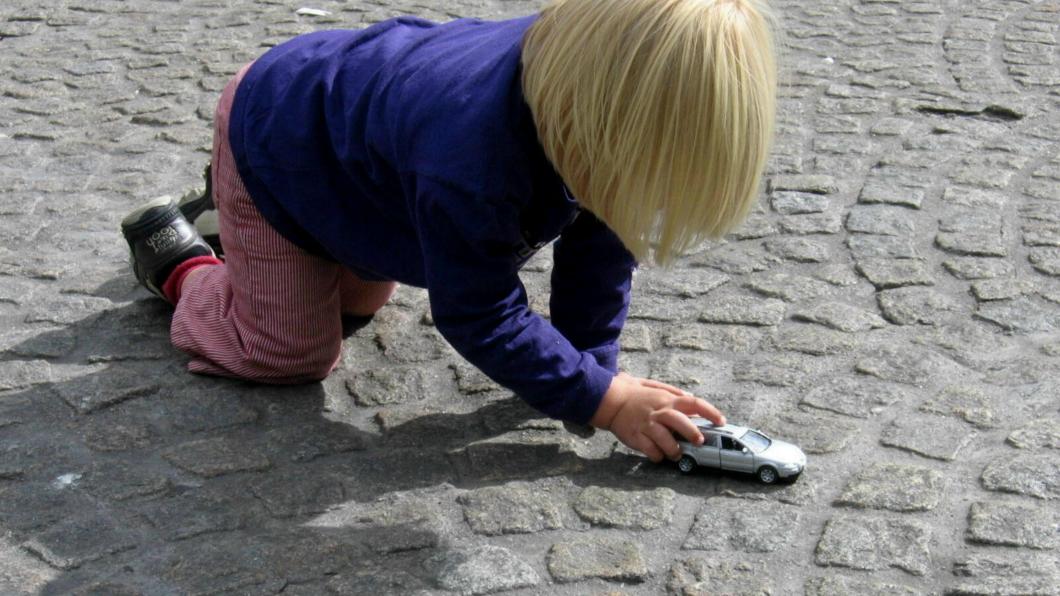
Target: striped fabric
pixel 272 312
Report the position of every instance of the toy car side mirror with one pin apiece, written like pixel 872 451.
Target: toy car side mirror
pixel 744 450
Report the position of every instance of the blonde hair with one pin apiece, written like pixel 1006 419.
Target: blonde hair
pixel 658 114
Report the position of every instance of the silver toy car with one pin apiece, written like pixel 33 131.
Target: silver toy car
pixel 741 449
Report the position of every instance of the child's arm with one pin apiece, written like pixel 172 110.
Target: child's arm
pixel 480 306
pixel 590 298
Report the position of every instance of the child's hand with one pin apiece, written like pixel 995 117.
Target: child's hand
pixel 644 414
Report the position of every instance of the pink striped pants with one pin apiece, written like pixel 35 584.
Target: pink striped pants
pixel 272 312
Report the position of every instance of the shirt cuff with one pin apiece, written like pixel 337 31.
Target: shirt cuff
pixel 581 407
pixel 606 356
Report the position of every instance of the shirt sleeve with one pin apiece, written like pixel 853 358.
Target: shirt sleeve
pixel 591 279
pixel 480 305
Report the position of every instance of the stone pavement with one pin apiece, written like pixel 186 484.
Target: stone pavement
pixel 893 307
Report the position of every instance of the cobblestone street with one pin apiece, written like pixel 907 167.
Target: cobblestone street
pixel 893 307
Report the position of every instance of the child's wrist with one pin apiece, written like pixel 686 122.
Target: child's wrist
pixel 609 406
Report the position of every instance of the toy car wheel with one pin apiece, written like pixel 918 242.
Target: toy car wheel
pixel 686 464
pixel 767 475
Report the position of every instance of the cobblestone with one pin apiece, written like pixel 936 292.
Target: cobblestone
pixel 483 570
pixel 604 558
pixel 1005 574
pixel 874 543
pixel 516 508
pixel 703 576
pixel 634 510
pixel 742 525
pixel 1031 475
pixel 895 487
pixel 1011 524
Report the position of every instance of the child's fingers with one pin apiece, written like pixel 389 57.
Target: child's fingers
pixel 664 440
pixel 679 423
pixel 694 405
pixel 658 385
pixel 647 446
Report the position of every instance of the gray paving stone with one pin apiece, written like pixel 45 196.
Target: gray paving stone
pixel 977 244
pixel 799 250
pixel 216 457
pixel 704 576
pixel 1044 432
pixel 935 437
pixel 75 541
pixel 521 454
pixel 18 374
pixel 602 557
pixel 809 183
pixel 483 570
pixel 1002 289
pixel 1039 234
pixel 909 365
pixel 299 494
pixel 878 192
pixel 743 525
pixel 1033 475
pixel 837 274
pixel 811 339
pixel 401 341
pixel 739 339
pixel 853 396
pixel 375 580
pixel 734 259
pixel 394 523
pixel 840 316
pixel 895 487
pixel 1046 260
pixel 838 585
pixel 967 402
pixel 515 508
pixel 119 482
pixel 870 246
pixel 996 573
pixel 631 510
pixel 875 543
pixel 793 203
pixel 682 284
pixel 814 432
pixel 636 337
pixel 1021 315
pixel 978 267
pixel 471 380
pixel 782 370
pixel 788 287
pixel 895 273
pixel 197 512
pixel 385 386
pixel 303 443
pixel 742 310
pixel 812 223
pixel 917 305
pixel 1011 524
pixel 882 220
pixel 969 343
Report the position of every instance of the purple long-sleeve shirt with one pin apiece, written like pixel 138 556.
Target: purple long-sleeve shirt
pixel 406 151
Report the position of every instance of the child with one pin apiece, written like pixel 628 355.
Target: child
pixel 443 156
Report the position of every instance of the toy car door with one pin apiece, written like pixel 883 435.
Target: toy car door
pixel 709 453
pixel 734 456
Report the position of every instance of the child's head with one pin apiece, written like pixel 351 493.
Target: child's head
pixel 658 114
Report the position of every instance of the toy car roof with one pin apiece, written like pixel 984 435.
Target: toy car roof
pixel 725 429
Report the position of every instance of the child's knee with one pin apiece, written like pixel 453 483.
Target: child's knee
pixel 293 365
